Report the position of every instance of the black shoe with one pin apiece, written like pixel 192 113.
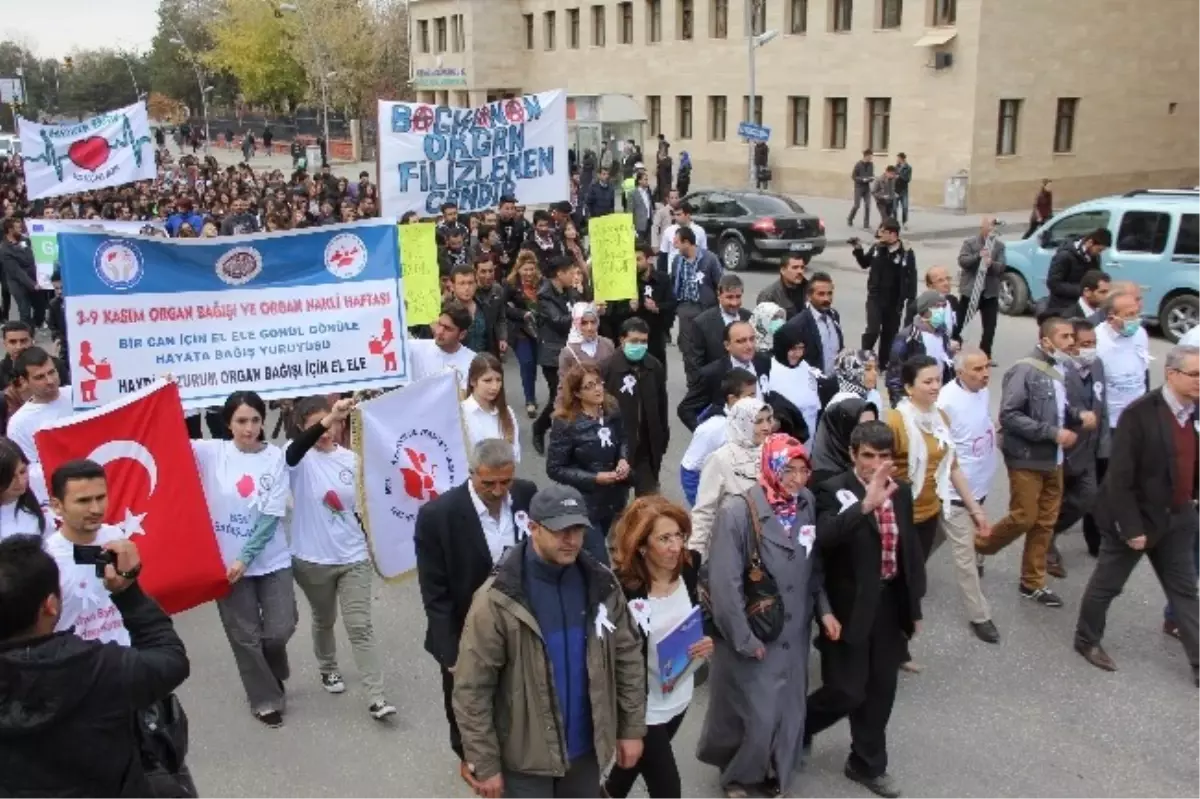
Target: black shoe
pixel 1096 656
pixel 1042 596
pixel 883 785
pixel 272 718
pixel 1054 565
pixel 539 444
pixel 986 631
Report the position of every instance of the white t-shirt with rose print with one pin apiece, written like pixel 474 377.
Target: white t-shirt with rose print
pixel 323 526
pixel 86 603
pixel 240 487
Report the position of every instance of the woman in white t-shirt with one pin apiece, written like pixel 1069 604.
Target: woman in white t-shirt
pixel 659 577
pixel 20 511
pixel 485 410
pixel 329 547
pixel 245 483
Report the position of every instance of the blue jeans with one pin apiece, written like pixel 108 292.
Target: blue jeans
pixel 900 207
pixel 527 359
pixel 1168 614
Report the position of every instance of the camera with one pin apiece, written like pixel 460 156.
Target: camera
pixel 95 556
pixel 854 241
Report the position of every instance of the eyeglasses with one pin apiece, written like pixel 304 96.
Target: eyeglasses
pixel 1191 374
pixel 665 539
pixel 590 385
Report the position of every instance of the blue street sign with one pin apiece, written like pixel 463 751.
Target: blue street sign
pixel 748 130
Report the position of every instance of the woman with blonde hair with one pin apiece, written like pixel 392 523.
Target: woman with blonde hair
pixel 659 577
pixel 588 451
pixel 485 410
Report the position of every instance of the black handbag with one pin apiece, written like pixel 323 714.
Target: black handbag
pixel 163 740
pixel 763 604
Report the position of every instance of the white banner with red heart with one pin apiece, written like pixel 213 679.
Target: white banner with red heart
pixel 107 150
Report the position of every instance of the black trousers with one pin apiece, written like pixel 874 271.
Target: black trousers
pixel 1079 492
pixel 24 300
pixel 687 313
pixel 1091 532
pixel 542 423
pixel 657 766
pixel 883 322
pixel 1172 560
pixel 989 312
pixel 858 681
pixel 448 704
pixel 581 780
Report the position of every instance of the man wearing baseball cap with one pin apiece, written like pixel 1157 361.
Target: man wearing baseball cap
pixel 549 637
pixel 929 334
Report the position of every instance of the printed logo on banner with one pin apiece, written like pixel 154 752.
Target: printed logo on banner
pixel 239 266
pixel 119 264
pixel 345 256
pixel 421 458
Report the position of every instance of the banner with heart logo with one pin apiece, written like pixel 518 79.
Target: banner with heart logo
pixel 107 150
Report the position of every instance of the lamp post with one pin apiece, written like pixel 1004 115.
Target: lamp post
pixel 129 66
pixel 325 74
pixel 204 90
pixel 753 42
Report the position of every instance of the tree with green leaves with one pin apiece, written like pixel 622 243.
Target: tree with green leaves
pixel 250 40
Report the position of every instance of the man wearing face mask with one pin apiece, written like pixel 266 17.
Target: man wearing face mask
pixel 1036 426
pixel 1084 380
pixel 929 334
pixel 639 382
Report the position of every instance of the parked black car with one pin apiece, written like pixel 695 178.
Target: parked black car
pixel 746 227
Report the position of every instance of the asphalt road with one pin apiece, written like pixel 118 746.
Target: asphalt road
pixel 1026 718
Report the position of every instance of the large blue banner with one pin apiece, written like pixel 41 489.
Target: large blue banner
pixel 285 314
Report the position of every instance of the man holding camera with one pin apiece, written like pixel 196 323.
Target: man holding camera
pixel 891 282
pixel 71 720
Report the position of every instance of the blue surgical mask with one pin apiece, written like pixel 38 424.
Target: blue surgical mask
pixel 937 318
pixel 774 325
pixel 1130 327
pixel 634 352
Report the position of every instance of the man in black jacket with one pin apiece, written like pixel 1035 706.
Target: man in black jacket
pixel 819 326
pixel 1071 262
pixel 706 389
pixel 638 381
pixel 513 230
pixel 707 342
pixel 460 536
pixel 601 200
pixel 655 303
pixel 555 298
pixel 17 267
pixel 891 282
pixel 18 337
pixel 70 719
pixel 875 580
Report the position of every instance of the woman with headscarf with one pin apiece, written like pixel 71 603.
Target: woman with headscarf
pixel 766 318
pixel 732 469
pixel 858 376
pixel 754 728
pixel 795 390
pixel 584 344
pixel 831 445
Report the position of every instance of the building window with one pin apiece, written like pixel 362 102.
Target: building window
pixel 460 33
pixel 758 109
pixel 625 35
pixel 890 12
pixel 716 118
pixel 684 113
pixel 439 35
pixel 573 28
pixel 598 23
pixel 654 20
pixel 654 112
pixel 1064 124
pixel 879 113
pixel 798 111
pixel 945 12
pixel 549 19
pixel 1006 133
pixel 758 17
pixel 798 16
pixel 720 19
pixel 841 14
pixel 836 113
pixel 528 31
pixel 687 19
pixel 423 35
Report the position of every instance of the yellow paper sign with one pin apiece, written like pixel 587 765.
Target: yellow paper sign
pixel 614 263
pixel 419 267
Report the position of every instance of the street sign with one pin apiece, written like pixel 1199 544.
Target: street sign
pixel 748 130
pixel 12 90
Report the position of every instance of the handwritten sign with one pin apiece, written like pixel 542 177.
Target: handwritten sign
pixel 419 264
pixel 614 263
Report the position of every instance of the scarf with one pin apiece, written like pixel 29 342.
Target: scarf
pixel 831 443
pixel 851 369
pixel 760 319
pixel 933 423
pixel 777 452
pixel 578 311
pixel 740 420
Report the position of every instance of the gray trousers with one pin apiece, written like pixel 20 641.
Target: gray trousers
pixel 259 617
pixel 349 586
pixel 581 780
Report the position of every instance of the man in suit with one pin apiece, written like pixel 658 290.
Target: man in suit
pixel 984 251
pixel 641 205
pixel 1093 291
pixel 819 326
pixel 707 342
pixel 705 390
pixel 1147 506
pixel 875 579
pixel 460 537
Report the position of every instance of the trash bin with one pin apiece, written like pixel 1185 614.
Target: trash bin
pixel 955 194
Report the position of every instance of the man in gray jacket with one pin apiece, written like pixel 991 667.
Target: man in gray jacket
pixel 863 175
pixel 1034 420
pixel 986 252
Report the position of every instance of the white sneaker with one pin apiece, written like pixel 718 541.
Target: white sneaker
pixel 381 710
pixel 332 682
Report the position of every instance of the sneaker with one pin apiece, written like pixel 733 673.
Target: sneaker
pixel 332 682
pixel 381 710
pixel 531 410
pixel 272 718
pixel 1042 596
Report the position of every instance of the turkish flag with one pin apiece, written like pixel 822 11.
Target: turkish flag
pixel 154 490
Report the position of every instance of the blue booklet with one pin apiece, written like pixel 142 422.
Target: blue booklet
pixel 674 664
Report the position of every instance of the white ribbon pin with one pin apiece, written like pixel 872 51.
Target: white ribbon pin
pixel 847 498
pixel 640 610
pixel 605 437
pixel 521 519
pixel 603 625
pixel 628 384
pixel 648 292
pixel 1098 390
pixel 699 278
pixel 808 534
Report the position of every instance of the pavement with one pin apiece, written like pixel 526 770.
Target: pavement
pixel 1028 717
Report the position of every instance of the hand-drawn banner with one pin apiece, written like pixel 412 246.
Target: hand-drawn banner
pixel 284 314
pixel 422 281
pixel 431 154
pixel 614 262
pixel 43 238
pixel 106 150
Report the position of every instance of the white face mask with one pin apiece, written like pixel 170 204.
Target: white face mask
pixel 1061 358
pixel 1086 356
